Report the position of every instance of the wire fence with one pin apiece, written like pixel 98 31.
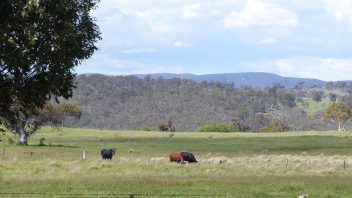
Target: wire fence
pixel 324 163
pixel 129 195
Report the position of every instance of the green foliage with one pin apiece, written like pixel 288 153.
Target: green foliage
pixel 55 114
pixel 166 126
pixel 240 126
pixel 70 109
pixel 4 138
pixel 11 141
pixel 218 128
pixel 191 104
pixel 288 99
pixel 145 128
pixel 338 111
pixel 275 126
pixel 41 43
pixel 42 142
pixel 332 97
pixel 317 95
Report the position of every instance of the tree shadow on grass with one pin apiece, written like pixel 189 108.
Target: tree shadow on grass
pixel 55 145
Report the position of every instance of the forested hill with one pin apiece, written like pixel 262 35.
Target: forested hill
pixel 131 103
pixel 254 79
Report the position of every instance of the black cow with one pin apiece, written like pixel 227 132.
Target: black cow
pixel 107 153
pixel 189 157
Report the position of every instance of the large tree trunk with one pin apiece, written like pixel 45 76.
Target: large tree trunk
pixel 21 129
pixel 341 127
pixel 23 140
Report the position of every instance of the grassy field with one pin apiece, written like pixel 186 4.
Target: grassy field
pixel 252 165
pixel 312 107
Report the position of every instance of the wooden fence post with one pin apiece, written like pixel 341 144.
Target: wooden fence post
pixel 84 155
pixel 267 163
pixel 286 163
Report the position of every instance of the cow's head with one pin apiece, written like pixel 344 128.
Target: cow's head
pixel 113 151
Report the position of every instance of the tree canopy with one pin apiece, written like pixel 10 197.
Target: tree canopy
pixel 41 42
pixel 339 112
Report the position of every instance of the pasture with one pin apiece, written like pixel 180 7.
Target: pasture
pixel 252 165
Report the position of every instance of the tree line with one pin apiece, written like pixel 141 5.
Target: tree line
pixel 130 103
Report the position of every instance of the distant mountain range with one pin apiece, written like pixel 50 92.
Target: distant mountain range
pixel 254 79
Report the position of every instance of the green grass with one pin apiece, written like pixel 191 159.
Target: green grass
pixel 255 165
pixel 313 107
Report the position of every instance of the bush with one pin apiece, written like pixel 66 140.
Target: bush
pixel 145 128
pixel 275 126
pixel 11 141
pixel 42 142
pixel 218 128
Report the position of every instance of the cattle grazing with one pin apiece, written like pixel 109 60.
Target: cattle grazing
pixel 107 153
pixel 175 157
pixel 188 157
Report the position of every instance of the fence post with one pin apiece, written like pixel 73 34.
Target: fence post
pixel 344 164
pixel 84 155
pixel 267 163
pixel 3 151
pixel 30 154
pixel 286 163
pixel 148 158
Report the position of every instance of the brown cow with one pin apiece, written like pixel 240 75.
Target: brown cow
pixel 176 157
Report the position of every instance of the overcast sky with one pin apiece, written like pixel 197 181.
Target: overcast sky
pixel 300 38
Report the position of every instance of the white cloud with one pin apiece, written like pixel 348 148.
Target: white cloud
pixel 341 65
pixel 155 18
pixel 139 51
pixel 257 13
pixel 203 10
pixel 105 64
pixel 329 69
pixel 340 9
pixel 193 11
pixel 269 41
pixel 285 66
pixel 154 28
pixel 181 44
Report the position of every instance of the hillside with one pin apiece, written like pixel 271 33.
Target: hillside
pixel 254 79
pixel 131 103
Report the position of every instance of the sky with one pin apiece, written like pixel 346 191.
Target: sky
pixel 296 38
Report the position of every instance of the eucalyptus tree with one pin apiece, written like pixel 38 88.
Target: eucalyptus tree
pixel 339 112
pixel 41 43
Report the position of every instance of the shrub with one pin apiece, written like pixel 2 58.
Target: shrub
pixel 10 141
pixel 42 142
pixel 218 128
pixel 145 128
pixel 275 126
